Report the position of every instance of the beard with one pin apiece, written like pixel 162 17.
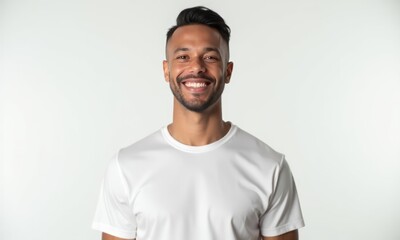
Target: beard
pixel 196 104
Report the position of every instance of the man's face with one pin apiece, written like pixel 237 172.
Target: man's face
pixel 197 66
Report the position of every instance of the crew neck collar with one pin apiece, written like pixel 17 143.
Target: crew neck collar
pixel 197 149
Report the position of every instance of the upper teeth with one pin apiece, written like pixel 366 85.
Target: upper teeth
pixel 195 84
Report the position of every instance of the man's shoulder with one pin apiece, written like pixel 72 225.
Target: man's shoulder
pixel 150 143
pixel 250 143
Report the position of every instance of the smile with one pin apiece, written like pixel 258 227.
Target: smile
pixel 195 84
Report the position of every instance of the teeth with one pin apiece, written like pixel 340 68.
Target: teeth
pixel 195 84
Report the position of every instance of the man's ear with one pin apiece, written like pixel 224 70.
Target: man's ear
pixel 166 71
pixel 229 69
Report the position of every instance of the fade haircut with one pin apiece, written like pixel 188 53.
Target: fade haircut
pixel 204 16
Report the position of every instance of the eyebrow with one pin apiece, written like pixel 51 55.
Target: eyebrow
pixel 207 49
pixel 181 50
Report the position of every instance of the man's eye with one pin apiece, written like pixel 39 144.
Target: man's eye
pixel 211 58
pixel 183 57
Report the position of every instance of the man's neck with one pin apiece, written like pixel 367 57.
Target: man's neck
pixel 197 129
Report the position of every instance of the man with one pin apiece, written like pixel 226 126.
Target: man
pixel 200 177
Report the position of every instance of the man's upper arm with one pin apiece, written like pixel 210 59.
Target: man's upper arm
pixel 283 213
pixel 106 236
pixel 292 235
pixel 114 213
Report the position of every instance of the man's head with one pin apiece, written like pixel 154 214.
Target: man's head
pixel 203 16
pixel 197 53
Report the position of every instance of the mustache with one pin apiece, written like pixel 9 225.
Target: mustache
pixel 200 75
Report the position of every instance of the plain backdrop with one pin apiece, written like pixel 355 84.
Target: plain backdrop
pixel 317 80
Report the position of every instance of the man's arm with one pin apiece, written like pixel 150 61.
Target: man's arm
pixel 106 236
pixel 293 235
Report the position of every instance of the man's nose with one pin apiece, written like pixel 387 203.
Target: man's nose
pixel 197 65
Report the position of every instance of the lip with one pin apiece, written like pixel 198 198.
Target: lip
pixel 196 80
pixel 193 84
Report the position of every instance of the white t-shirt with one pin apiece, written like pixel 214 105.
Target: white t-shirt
pixel 233 189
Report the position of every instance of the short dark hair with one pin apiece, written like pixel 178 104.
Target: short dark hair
pixel 204 16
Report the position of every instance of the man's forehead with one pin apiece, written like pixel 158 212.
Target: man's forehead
pixel 194 36
pixel 195 32
pixel 197 37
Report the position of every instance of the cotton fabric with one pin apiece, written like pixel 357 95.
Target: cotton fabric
pixel 235 188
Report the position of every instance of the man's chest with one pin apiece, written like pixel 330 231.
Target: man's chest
pixel 191 194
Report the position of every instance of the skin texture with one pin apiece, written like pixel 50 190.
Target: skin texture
pixel 293 235
pixel 197 54
pixel 106 236
pixel 203 59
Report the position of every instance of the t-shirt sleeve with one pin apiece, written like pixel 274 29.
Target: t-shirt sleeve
pixel 114 214
pixel 283 213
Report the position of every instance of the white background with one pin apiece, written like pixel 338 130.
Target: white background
pixel 316 80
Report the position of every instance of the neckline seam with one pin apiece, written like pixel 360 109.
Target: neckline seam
pixel 197 149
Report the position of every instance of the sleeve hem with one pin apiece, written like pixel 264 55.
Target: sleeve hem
pixel 272 232
pixel 114 231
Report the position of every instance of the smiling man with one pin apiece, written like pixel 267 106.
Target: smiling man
pixel 200 177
